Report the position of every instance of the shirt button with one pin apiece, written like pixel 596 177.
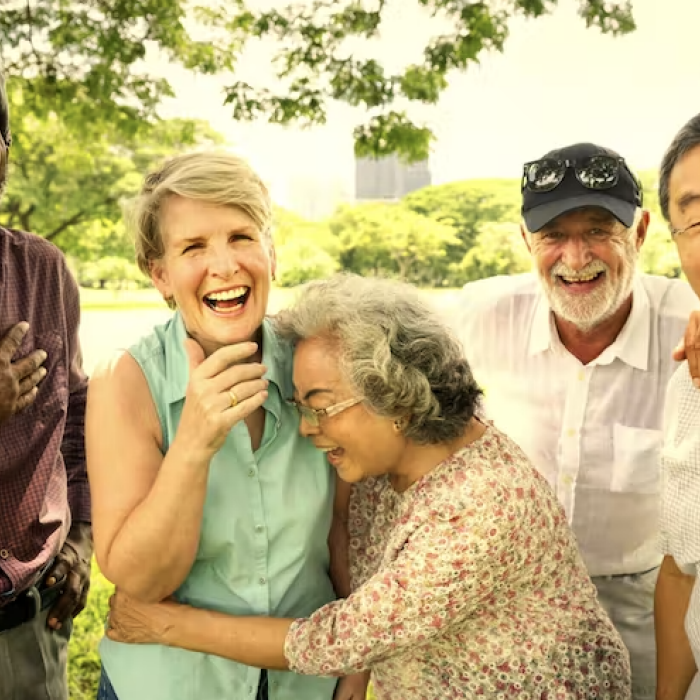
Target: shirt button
pixel 581 375
pixel 571 432
pixel 262 581
pixel 259 528
pixel 4 554
pixel 251 473
pixel 567 480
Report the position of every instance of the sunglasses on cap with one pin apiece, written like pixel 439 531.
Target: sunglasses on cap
pixel 599 172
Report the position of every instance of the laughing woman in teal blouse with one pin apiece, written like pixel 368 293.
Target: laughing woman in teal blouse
pixel 202 487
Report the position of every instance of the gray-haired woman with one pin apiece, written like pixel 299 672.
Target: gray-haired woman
pixel 466 577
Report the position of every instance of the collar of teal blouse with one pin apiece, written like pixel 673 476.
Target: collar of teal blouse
pixel 277 356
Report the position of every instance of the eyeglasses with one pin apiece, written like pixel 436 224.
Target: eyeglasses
pixel 594 173
pixel 688 232
pixel 313 415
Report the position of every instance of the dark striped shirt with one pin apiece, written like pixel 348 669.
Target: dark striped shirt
pixel 43 476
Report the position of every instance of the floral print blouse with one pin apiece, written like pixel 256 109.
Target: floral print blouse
pixel 467 585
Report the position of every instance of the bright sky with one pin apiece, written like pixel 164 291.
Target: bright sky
pixel 556 83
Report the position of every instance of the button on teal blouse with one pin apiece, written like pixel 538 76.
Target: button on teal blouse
pixel 263 546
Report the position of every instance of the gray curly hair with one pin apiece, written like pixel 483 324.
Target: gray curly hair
pixel 393 349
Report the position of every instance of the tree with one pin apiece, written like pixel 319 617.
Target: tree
pixel 315 65
pixel 658 255
pixel 306 250
pixel 84 59
pixel 387 238
pixel 497 250
pixel 466 206
pixel 300 260
pixel 63 179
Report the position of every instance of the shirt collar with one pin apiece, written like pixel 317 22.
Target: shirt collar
pixel 276 356
pixel 631 345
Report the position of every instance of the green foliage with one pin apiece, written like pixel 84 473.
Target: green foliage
pixel 390 239
pixel 659 255
pixel 67 184
pixel 497 250
pixel 314 65
pixel 300 260
pixel 87 60
pixel 83 655
pixel 466 206
pixel 110 271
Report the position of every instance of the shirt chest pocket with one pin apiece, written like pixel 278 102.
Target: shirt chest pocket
pixel 636 460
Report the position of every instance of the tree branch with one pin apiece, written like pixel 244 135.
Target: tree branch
pixel 25 215
pixel 76 219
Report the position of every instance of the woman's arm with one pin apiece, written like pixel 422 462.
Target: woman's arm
pixel 445 569
pixel 254 641
pixel 147 508
pixel 675 664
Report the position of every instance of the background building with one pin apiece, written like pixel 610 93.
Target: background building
pixel 389 178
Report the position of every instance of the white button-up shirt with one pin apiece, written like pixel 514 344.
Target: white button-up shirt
pixel 680 501
pixel 593 431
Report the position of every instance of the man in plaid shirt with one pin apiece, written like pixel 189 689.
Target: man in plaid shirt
pixel 45 531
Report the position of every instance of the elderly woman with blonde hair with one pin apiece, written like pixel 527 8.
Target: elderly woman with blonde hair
pixel 202 488
pixel 466 579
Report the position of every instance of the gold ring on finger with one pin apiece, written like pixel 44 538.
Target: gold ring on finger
pixel 234 398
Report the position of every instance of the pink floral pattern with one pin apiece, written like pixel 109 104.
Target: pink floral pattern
pixel 468 585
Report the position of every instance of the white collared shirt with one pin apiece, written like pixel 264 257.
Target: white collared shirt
pixel 593 431
pixel 680 494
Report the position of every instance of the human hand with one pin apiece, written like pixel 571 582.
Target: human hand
pixel 19 379
pixel 222 390
pixel 352 687
pixel 689 347
pixel 72 566
pixel 134 622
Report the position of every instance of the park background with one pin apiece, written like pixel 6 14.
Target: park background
pixel 100 93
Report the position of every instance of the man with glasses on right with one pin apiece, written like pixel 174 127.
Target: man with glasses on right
pixel 574 360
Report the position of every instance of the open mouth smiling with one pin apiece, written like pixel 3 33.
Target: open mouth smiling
pixel 581 279
pixel 228 300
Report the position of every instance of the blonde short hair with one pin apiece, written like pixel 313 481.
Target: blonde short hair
pixel 215 177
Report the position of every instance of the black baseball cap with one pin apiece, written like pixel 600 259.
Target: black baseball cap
pixel 622 200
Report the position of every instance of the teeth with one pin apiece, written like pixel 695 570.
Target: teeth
pixel 586 278
pixel 228 295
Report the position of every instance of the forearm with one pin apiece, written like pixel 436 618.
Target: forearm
pixel 674 658
pixel 254 641
pixel 154 549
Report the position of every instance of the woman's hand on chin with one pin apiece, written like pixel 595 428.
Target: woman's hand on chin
pixel 223 389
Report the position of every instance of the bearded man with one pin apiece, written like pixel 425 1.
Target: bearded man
pixel 575 359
